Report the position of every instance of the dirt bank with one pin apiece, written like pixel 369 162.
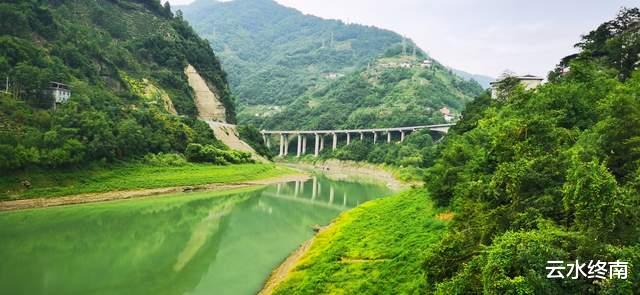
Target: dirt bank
pixel 207 101
pixel 228 134
pixel 212 111
pixel 131 194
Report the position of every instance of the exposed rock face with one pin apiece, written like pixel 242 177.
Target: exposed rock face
pixel 209 105
pixel 228 134
pixel 212 111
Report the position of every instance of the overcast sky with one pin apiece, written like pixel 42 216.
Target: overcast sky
pixel 480 37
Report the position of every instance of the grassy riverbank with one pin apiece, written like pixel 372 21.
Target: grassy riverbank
pixel 98 179
pixel 377 248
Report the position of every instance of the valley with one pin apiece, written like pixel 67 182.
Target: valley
pixel 246 147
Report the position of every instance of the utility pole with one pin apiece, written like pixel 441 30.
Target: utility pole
pixel 404 46
pixel 331 44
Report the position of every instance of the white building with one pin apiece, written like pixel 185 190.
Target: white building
pixel 426 63
pixel 528 81
pixel 61 92
pixel 447 114
pixel 333 76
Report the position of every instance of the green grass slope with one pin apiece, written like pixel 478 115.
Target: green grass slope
pixel 62 182
pixel 376 248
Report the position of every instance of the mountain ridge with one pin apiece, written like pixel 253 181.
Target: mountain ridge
pixel 274 53
pixel 277 58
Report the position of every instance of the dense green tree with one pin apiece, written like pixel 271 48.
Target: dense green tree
pixel 100 54
pixel 544 174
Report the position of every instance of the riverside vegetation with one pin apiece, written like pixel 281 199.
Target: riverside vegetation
pixel 378 247
pixel 130 122
pixel 547 174
pixel 129 176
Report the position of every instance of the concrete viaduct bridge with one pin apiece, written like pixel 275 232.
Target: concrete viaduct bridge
pixel 319 136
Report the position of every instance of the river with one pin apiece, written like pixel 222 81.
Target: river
pixel 196 243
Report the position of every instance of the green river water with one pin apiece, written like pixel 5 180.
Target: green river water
pixel 197 243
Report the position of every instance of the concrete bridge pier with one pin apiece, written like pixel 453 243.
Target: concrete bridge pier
pixel 304 144
pixel 361 136
pixel 299 152
pixel 388 136
pixel 317 149
pixel 348 138
pixel 401 136
pixel 335 141
pixel 281 145
pixel 375 137
pixel 266 141
pixel 286 145
pixel 321 142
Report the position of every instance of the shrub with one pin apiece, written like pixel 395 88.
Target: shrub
pixel 165 160
pixel 211 154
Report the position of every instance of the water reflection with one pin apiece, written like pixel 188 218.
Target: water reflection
pixel 295 192
pixel 202 243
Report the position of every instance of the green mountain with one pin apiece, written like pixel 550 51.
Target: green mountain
pixel 398 90
pixel 481 79
pixel 294 70
pixel 124 62
pixel 274 54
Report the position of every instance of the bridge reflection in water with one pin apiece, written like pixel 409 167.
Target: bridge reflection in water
pixel 314 192
pixel 189 243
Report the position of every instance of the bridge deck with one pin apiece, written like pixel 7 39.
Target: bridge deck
pixel 398 129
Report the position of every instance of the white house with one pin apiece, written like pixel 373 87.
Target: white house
pixel 61 92
pixel 426 63
pixel 528 81
pixel 447 114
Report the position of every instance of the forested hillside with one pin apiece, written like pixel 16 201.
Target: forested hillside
pixel 124 62
pixel 283 64
pixel 394 90
pixel 273 54
pixel 544 175
pixel 481 79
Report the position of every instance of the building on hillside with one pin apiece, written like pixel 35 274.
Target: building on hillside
pixel 333 76
pixel 447 114
pixel 427 63
pixel 528 81
pixel 60 92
